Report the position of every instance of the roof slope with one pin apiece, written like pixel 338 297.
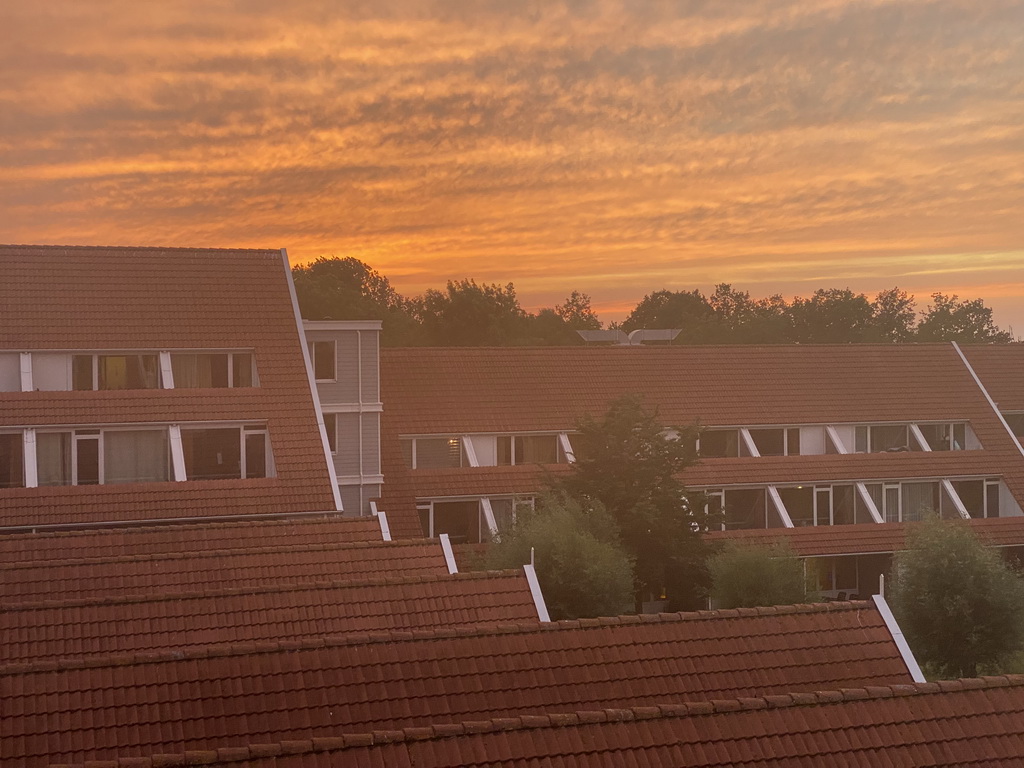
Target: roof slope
pixel 1001 369
pixel 56 546
pixel 162 622
pixel 94 299
pixel 198 699
pixel 91 578
pixel 953 723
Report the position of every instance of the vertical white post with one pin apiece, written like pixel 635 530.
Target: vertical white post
pixel 26 371
pixel 177 453
pixel 31 465
pixel 167 372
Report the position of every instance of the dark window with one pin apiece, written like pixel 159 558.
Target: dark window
pixel 991 498
pixel 12 461
pixel 459 519
pixel 889 438
pixel 844 506
pixel 438 452
pixel 799 504
pixel 719 443
pixel 537 449
pixel 745 508
pixel 793 441
pixel 972 494
pixel 241 369
pixel 1015 421
pixel 87 460
pixel 128 371
pixel 255 454
pixel 769 442
pixel 82 372
pixel 504 450
pixel 331 427
pixel 323 361
pixel 212 454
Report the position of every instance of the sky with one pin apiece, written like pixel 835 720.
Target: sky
pixel 614 147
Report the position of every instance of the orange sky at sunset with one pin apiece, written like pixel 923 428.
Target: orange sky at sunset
pixel 614 147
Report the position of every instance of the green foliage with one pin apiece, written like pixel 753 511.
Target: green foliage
pixel 746 576
pixel 629 465
pixel 893 314
pixel 960 606
pixel 581 568
pixel 831 316
pixel 686 310
pixel 467 314
pixel 577 313
pixel 948 318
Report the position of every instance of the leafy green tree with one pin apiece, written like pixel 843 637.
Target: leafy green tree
pixel 467 314
pixel 948 318
pixel 741 320
pixel 630 464
pixel 582 569
pixel 746 576
pixel 347 289
pixel 956 600
pixel 577 313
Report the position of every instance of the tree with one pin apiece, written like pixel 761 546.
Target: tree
pixel 958 603
pixel 746 576
pixel 831 316
pixel 582 570
pixel 467 314
pixel 741 320
pixel 948 318
pixel 577 313
pixel 348 289
pixel 687 310
pixel 630 464
pixel 892 316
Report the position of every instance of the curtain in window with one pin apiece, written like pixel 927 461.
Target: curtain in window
pixel 918 499
pixel 135 456
pixel 53 458
pixel 191 371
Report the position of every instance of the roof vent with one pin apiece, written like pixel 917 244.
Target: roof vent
pixel 632 339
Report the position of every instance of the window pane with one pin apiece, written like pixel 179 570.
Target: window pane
pixel 892 505
pixel 889 438
pixel 1015 421
pixel 769 442
pixel 323 361
pixel 459 519
pixel 53 458
pixel 972 494
pixel 198 370
pixel 135 456
pixel 128 371
pixel 331 426
pixel 719 443
pixel 936 435
pixel 991 499
pixel 793 442
pixel 241 373
pixel 212 454
pixel 862 440
pixel 823 506
pixel 255 455
pixel 12 461
pixel 799 504
pixel 81 372
pixel 843 505
pixel 438 452
pixel 919 499
pixel 745 508
pixel 504 450
pixel 537 449
pixel 87 460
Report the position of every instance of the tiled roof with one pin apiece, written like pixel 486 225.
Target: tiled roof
pixel 83 298
pixel 545 389
pixel 867 538
pixel 949 723
pixel 92 577
pixel 199 700
pixel 161 622
pixel 1001 369
pixel 41 547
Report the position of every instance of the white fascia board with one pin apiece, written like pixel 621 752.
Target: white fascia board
pixel 177 453
pixel 955 498
pixel 385 529
pixel 836 440
pixel 449 554
pixel 988 397
pixel 492 526
pixel 773 494
pixel 470 449
pixel 538 596
pixel 748 441
pixel 166 371
pixel 899 639
pixel 26 371
pixel 314 394
pixel 28 444
pixel 563 440
pixel 869 502
pixel 342 325
pixel 919 436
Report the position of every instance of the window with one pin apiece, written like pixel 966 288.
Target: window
pixel 719 443
pixel 745 508
pixel 529 449
pixel 945 437
pixel 120 371
pixel 93 456
pixel 10 372
pixel 222 453
pixel 434 452
pixel 324 365
pixel 331 427
pixel 461 520
pixel 776 441
pixel 12 460
pixel 194 370
pixel 881 438
pixel 980 497
pixel 1015 421
pixel 799 503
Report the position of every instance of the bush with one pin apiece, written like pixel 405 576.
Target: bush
pixel 582 570
pixel 958 603
pixel 749 576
